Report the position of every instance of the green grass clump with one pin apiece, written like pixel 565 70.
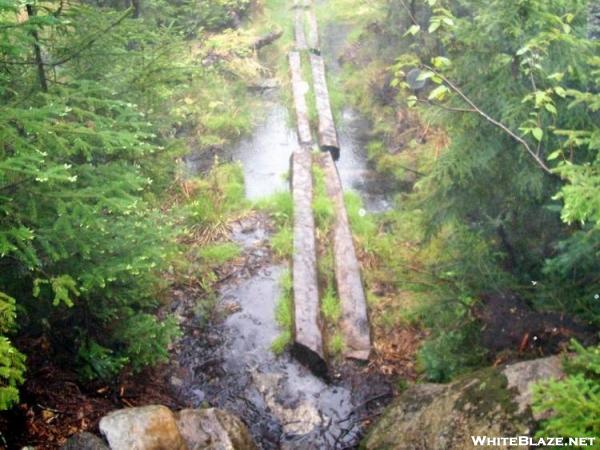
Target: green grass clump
pixel 219 196
pixel 282 242
pixel 279 206
pixel 363 225
pixel 336 344
pixel 284 315
pixel 281 342
pixel 218 254
pixel 322 205
pixel 330 306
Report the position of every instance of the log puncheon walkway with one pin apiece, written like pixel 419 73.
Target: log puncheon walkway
pixel 354 325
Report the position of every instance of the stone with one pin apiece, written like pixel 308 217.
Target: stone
pixel 213 429
pixel 521 375
pixel 176 382
pixel 84 441
pixel 150 427
pixel 489 402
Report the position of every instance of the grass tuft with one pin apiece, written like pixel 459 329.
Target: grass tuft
pixel 284 315
pixel 215 255
pixel 282 242
pixel 330 306
pixel 336 344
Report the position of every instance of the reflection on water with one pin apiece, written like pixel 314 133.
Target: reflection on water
pixel 266 153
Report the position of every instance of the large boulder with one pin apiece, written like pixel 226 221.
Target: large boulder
pixel 213 429
pixel 491 402
pixel 155 427
pixel 144 428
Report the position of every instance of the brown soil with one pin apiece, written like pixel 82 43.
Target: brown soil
pixel 55 404
pixel 512 330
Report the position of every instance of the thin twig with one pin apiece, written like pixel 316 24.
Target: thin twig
pixel 409 13
pixel 493 121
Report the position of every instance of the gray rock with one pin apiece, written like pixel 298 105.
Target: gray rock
pixel 144 428
pixel 213 429
pixel 521 375
pixel 489 402
pixel 84 441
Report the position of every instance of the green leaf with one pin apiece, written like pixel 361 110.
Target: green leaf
pixel 555 154
pixel 434 25
pixel 438 93
pixel 412 30
pixel 522 51
pixel 560 91
pixel 538 133
pixel 440 62
pixel 551 108
pixel 425 75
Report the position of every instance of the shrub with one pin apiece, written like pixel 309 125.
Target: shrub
pixel 574 402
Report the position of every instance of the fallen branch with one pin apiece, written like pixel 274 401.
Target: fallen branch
pixel 267 39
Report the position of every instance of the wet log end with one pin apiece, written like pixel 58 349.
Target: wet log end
pixel 308 339
pixel 315 362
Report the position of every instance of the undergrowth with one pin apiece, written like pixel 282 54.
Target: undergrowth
pixel 284 315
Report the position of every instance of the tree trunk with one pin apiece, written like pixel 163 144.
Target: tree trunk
pixel 37 50
pixel 137 8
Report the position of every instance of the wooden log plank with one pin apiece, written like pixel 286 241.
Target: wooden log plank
pixel 328 139
pixel 299 90
pixel 312 38
pixel 299 36
pixel 308 340
pixel 354 323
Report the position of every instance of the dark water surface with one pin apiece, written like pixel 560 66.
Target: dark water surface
pixel 231 364
pixel 265 155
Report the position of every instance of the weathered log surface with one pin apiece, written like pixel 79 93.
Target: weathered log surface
pixel 313 31
pixel 308 340
pixel 299 36
pixel 354 322
pixel 299 90
pixel 328 139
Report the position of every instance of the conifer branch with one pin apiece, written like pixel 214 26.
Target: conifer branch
pixel 77 52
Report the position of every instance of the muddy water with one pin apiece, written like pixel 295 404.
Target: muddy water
pixel 265 155
pixel 353 131
pixel 230 364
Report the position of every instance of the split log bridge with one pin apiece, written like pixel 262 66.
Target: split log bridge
pixel 308 332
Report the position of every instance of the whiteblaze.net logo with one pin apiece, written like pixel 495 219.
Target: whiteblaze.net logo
pixel 486 441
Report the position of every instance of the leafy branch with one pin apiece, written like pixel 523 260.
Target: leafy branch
pixel 476 109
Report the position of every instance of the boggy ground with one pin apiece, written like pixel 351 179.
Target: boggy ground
pixel 229 362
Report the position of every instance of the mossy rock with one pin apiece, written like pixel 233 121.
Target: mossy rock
pixel 490 402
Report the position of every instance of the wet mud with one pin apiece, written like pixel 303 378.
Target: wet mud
pixel 229 363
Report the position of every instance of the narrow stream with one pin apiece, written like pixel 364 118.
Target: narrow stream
pixel 231 364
